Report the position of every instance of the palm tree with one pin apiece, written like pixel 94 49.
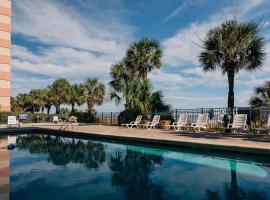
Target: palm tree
pixel 38 99
pixel 48 99
pixel 233 47
pixel 24 102
pixel 122 77
pixel 15 106
pixel 262 96
pixel 59 91
pixel 143 56
pixel 76 96
pixel 94 92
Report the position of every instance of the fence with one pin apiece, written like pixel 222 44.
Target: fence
pixel 107 118
pixel 256 116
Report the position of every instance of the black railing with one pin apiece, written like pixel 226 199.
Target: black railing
pixel 256 117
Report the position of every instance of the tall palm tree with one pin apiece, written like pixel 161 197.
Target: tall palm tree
pixel 76 96
pixel 122 77
pixel 232 47
pixel 144 56
pixel 59 91
pixel 262 96
pixel 94 92
pixel 37 99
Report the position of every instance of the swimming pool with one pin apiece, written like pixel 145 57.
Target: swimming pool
pixel 44 166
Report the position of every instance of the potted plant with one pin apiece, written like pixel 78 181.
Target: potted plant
pixel 166 121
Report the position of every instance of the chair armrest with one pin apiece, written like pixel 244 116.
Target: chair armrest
pixel 193 124
pixel 205 125
pixel 174 123
pixel 245 127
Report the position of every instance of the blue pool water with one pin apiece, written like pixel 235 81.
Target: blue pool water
pixel 56 167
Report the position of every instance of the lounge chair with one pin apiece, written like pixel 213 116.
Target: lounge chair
pixel 201 123
pixel 134 123
pixel 266 128
pixel 55 119
pixel 155 122
pixel 181 123
pixel 239 123
pixel 73 120
pixel 12 121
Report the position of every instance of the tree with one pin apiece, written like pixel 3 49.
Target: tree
pixel 48 99
pixel 233 47
pixel 24 102
pixel 15 106
pixel 94 92
pixel 59 91
pixel 37 97
pixel 122 77
pixel 262 96
pixel 76 96
pixel 143 56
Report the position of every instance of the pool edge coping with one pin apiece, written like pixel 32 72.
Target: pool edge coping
pixel 165 142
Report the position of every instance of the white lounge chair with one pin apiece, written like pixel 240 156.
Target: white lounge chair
pixel 201 123
pixel 55 119
pixel 155 122
pixel 181 123
pixel 12 121
pixel 239 123
pixel 266 128
pixel 134 123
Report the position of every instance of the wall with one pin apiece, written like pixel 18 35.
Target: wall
pixel 5 55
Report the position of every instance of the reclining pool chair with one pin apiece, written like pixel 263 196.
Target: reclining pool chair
pixel 155 122
pixel 201 123
pixel 181 123
pixel 134 123
pixel 239 123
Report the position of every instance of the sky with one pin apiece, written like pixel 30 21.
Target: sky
pixel 54 39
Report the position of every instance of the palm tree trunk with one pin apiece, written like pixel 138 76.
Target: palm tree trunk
pixel 48 109
pixel 231 90
pixel 72 107
pixel 90 107
pixel 57 108
pixel 145 75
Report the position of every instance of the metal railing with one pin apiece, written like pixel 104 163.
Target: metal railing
pixel 256 117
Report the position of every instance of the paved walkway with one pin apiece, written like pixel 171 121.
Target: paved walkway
pixel 242 143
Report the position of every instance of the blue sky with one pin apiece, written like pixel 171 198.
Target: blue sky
pixel 83 38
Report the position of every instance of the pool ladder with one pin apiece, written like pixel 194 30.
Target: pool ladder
pixel 66 126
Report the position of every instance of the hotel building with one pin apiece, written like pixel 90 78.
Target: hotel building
pixel 5 55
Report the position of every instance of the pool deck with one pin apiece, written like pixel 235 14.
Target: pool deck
pixel 244 143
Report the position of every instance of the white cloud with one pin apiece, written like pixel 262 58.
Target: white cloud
pixel 181 7
pixel 58 62
pixel 56 24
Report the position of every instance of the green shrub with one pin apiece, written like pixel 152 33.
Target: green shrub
pixel 127 116
pixel 84 117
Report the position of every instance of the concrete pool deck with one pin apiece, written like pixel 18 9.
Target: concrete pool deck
pixel 254 144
